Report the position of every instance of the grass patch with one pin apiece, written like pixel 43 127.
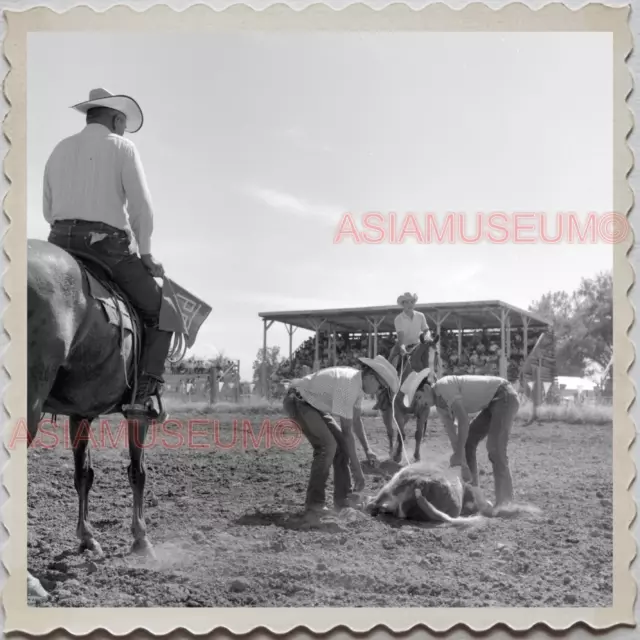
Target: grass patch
pixel 572 414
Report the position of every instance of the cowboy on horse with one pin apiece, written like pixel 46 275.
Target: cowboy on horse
pixel 411 327
pixel 98 205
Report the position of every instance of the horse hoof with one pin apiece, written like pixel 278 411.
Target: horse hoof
pixel 91 545
pixel 35 588
pixel 143 548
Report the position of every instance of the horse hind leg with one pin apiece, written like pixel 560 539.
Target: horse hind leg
pixel 137 476
pixel 421 427
pixel 402 437
pixel 387 419
pixel 83 479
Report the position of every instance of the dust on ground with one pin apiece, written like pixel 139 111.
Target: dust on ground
pixel 226 528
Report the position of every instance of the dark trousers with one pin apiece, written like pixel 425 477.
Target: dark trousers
pixel 329 449
pixel 111 246
pixel 494 423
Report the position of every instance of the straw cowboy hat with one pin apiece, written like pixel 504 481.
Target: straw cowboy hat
pixel 411 384
pixel 384 369
pixel 412 297
pixel 124 104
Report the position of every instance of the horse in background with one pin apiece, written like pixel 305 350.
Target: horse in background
pixel 423 355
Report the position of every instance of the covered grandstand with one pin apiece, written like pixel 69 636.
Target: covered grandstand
pixel 487 337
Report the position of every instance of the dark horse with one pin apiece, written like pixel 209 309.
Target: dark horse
pixel 423 355
pixel 81 363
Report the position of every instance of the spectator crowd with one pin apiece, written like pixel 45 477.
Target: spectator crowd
pixel 480 353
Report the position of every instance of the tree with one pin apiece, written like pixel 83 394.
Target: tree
pixel 582 323
pixel 273 361
pixel 594 302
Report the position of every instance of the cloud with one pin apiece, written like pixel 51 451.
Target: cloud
pixel 278 302
pixel 301 138
pixel 467 273
pixel 291 204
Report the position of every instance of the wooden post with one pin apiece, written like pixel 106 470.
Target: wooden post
pixel 265 385
pixel 290 330
pixel 375 323
pixel 334 349
pixel 539 381
pixel 525 331
pixel 213 385
pixel 237 380
pixel 459 325
pixel 503 360
pixel 317 326
pixel 265 392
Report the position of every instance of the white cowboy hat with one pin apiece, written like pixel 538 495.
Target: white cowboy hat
pixel 124 104
pixel 411 384
pixel 407 296
pixel 384 369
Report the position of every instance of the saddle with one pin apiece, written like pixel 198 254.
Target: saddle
pixel 118 310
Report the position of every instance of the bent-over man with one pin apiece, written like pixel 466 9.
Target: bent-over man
pixel 312 402
pixel 455 397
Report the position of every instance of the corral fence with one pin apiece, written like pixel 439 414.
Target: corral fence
pixel 214 385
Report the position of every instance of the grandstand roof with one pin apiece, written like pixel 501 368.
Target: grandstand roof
pixel 472 314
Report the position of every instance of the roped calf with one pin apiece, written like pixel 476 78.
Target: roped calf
pixel 422 492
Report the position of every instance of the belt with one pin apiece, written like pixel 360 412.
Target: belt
pixel 77 222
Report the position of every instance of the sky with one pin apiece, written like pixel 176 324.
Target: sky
pixel 256 144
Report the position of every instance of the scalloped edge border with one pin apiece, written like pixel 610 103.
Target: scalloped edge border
pixel 434 17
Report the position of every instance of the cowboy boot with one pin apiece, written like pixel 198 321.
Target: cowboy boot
pixel 143 402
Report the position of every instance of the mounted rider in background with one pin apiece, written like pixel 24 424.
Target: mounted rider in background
pixel 411 327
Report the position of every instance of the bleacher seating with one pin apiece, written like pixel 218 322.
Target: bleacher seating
pixel 480 352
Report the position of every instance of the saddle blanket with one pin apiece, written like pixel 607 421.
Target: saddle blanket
pixel 116 310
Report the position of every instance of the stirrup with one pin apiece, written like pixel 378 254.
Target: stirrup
pixel 147 409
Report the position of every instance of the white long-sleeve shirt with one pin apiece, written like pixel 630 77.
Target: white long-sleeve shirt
pixel 97 175
pixel 336 390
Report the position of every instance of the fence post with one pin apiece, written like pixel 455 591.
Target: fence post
pixel 537 389
pixel 213 385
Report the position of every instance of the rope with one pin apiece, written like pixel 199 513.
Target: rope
pixel 178 348
pixel 393 413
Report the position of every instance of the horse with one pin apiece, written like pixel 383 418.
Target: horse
pixel 423 355
pixel 82 342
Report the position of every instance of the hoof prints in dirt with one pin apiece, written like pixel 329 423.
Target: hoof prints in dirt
pixel 236 542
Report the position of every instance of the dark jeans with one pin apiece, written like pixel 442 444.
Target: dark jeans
pixel 494 423
pixel 111 245
pixel 329 448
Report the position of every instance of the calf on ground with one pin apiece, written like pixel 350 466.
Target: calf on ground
pixel 424 493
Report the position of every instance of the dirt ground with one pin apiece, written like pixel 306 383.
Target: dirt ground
pixel 224 524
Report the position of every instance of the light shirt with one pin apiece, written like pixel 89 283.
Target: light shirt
pixel 411 327
pixel 97 175
pixel 474 392
pixel 336 390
